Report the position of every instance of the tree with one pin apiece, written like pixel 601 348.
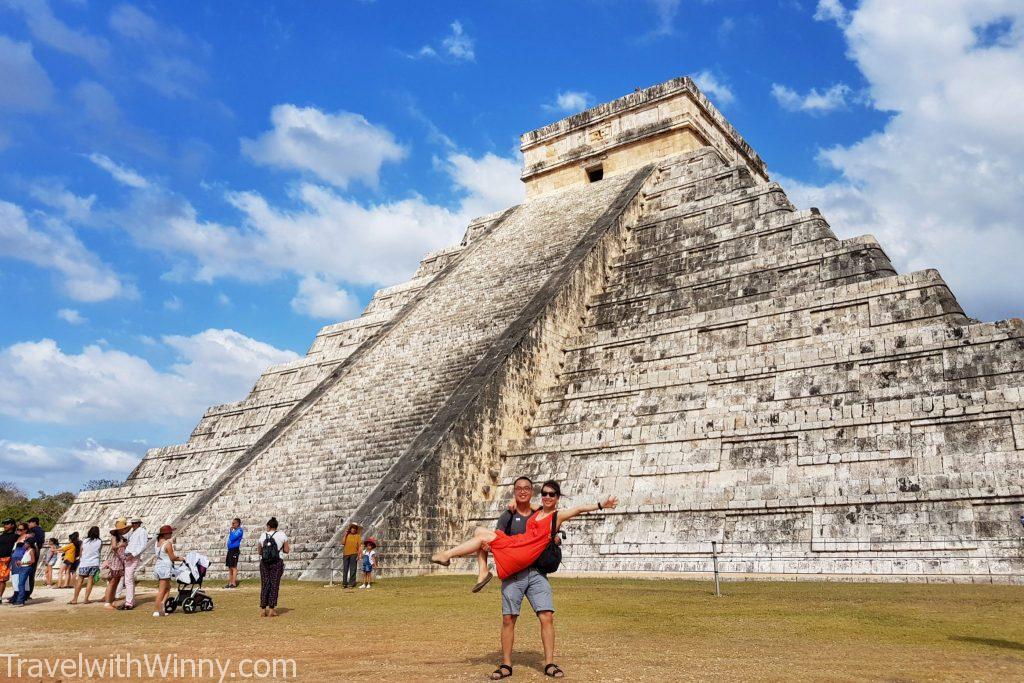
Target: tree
pixel 16 504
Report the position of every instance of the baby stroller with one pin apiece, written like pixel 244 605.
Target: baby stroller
pixel 191 597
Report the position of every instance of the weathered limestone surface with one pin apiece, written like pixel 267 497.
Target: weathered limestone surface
pixel 676 333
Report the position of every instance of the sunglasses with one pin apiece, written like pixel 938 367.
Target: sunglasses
pixel 548 494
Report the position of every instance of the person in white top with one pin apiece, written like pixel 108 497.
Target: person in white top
pixel 163 568
pixel 273 543
pixel 88 565
pixel 138 539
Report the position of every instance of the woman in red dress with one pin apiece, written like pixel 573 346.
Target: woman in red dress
pixel 512 554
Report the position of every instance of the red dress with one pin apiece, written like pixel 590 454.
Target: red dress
pixel 513 554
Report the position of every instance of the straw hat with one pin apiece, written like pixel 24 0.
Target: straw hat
pixel 121 524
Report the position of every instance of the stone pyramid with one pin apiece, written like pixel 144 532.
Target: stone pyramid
pixel 657 321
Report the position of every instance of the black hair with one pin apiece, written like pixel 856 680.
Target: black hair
pixel 94 533
pixel 522 478
pixel 237 519
pixel 73 538
pixel 552 484
pixel 32 519
pixel 116 533
pixel 272 522
pixel 55 541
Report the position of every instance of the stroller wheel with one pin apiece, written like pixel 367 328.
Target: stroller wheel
pixel 170 605
pixel 207 605
pixel 188 606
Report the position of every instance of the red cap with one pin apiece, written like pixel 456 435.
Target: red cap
pixel 166 529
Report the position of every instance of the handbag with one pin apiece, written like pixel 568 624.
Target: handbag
pixel 551 556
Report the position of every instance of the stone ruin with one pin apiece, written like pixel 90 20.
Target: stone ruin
pixel 658 321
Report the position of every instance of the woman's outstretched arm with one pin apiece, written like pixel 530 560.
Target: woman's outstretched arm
pixel 608 503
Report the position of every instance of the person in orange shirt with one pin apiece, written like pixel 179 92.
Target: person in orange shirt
pixel 351 545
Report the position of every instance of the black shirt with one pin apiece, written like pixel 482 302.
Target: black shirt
pixel 38 540
pixel 518 522
pixel 7 543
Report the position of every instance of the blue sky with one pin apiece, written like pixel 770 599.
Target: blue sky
pixel 189 191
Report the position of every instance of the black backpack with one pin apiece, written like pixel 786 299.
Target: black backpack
pixel 271 553
pixel 551 556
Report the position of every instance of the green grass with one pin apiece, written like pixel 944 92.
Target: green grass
pixel 432 628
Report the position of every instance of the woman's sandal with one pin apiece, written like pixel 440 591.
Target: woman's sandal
pixel 553 670
pixel 443 563
pixel 480 584
pixel 503 671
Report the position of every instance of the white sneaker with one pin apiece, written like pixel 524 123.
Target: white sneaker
pixel 363 586
pixel 156 614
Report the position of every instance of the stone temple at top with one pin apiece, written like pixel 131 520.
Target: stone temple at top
pixel 656 321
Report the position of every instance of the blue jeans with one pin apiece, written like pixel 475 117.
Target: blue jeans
pixel 21 584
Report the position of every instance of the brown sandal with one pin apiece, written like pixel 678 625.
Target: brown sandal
pixel 480 585
pixel 443 563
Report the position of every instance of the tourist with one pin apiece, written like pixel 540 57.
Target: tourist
pixel 350 555
pixel 272 543
pixel 88 564
pixel 122 526
pixel 7 540
pixel 38 541
pixel 23 560
pixel 234 550
pixel 51 560
pixel 163 567
pixel 514 556
pixel 138 539
pixel 72 551
pixel 369 561
pixel 114 564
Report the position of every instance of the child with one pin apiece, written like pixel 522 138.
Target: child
pixel 369 561
pixel 53 559
pixel 70 563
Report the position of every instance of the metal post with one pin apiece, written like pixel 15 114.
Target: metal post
pixel 714 560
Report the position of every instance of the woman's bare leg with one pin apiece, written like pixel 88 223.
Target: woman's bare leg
pixel 481 563
pixel 78 589
pixel 473 545
pixel 108 595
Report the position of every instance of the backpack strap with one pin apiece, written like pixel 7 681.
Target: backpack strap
pixel 554 524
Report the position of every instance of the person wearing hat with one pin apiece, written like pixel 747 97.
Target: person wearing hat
pixel 350 555
pixel 7 540
pixel 114 564
pixel 163 567
pixel 122 526
pixel 369 561
pixel 138 539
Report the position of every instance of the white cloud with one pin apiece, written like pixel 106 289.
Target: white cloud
pixel 121 174
pixel 75 209
pixel 831 10
pixel 71 316
pixel 338 148
pixel 40 466
pixel 26 87
pixel 166 51
pixel 223 299
pixel 942 183
pixel 54 33
pixel 39 382
pixel 665 11
pixel 715 89
pixel 813 102
pixel 96 102
pixel 570 101
pixel 172 304
pixel 319 298
pixel 49 243
pixel 459 45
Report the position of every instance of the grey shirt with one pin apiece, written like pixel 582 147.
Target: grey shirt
pixel 518 522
